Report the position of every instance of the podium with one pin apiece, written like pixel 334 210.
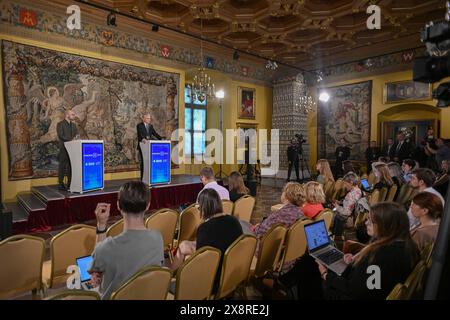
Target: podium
pixel 156 161
pixel 87 163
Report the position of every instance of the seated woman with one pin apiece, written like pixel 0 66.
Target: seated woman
pixel 324 170
pixel 344 210
pixel 218 230
pixel 236 186
pixel 315 197
pixel 442 180
pixel 392 250
pixel 396 174
pixel 293 197
pixel 383 178
pixel 426 207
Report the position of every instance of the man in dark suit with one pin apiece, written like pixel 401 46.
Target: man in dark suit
pixel 145 132
pixel 387 149
pixel 293 159
pixel 67 131
pixel 402 149
pixel 342 153
pixel 372 155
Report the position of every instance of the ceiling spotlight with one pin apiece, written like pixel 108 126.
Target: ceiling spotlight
pixel 272 65
pixel 319 76
pixel 369 63
pixel 324 96
pixel 235 55
pixel 155 28
pixel 111 19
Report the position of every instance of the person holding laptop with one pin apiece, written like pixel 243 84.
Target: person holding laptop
pixel 391 249
pixel 117 259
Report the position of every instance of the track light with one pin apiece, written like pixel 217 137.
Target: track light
pixel 111 19
pixel 235 55
pixel 155 27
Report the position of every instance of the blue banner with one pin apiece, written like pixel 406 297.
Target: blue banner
pixel 159 163
pixel 92 157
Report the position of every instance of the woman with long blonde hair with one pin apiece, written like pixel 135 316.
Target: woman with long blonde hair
pixel 324 170
pixel 236 186
pixel 383 177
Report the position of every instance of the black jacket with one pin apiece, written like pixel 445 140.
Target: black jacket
pixel 404 152
pixel 372 154
pixel 292 153
pixel 151 134
pixel 66 132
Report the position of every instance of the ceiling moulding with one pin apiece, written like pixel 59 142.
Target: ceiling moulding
pixel 95 31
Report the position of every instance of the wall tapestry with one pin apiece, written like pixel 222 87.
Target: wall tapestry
pixel 345 115
pixel 107 98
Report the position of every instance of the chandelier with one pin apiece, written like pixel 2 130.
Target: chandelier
pixel 304 100
pixel 201 86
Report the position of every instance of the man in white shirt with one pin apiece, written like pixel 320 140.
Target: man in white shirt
pixel 209 182
pixel 422 180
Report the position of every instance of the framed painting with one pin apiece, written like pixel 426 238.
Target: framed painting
pixel 246 103
pixel 346 115
pixel 406 91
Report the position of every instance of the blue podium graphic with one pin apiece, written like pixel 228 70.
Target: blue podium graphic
pixel 159 163
pixel 92 157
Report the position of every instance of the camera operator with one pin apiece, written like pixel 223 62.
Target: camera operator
pixel 293 152
pixel 429 149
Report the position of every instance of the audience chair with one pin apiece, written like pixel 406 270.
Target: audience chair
pixel 195 277
pixel 21 265
pixel 115 229
pixel 76 241
pixel 327 215
pixel 383 194
pixel 165 221
pixel 75 295
pixel 243 208
pixel 328 189
pixel 188 223
pixel 295 243
pixel 227 206
pixel 374 197
pixel 337 189
pixel 150 283
pixel 269 253
pixel 404 194
pixel 236 266
pixel 414 282
pixel 392 192
pixel 398 293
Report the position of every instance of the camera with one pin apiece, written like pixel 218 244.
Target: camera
pixel 300 138
pixel 436 66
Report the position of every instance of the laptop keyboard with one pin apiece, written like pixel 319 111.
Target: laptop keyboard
pixel 331 256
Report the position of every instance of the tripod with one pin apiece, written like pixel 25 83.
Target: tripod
pixel 303 165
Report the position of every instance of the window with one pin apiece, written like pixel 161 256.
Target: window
pixel 194 125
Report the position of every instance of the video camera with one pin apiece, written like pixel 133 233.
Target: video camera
pixel 436 66
pixel 300 142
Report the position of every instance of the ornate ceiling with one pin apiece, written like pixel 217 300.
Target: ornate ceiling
pixel 308 34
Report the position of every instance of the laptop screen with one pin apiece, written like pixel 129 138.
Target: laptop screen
pixel 316 235
pixel 365 184
pixel 84 263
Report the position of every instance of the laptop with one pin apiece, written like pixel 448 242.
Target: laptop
pixel 84 263
pixel 321 248
pixel 365 185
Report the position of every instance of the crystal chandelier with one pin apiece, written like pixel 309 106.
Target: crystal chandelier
pixel 305 101
pixel 201 86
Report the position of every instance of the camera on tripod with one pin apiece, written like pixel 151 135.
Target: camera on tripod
pixel 436 66
pixel 300 142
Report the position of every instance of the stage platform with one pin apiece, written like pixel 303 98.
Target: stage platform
pixel 47 207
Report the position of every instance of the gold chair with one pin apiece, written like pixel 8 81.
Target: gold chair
pixel 21 265
pixel 414 281
pixel 195 277
pixel 243 208
pixel 150 283
pixel 374 197
pixel 404 194
pixel 328 189
pixel 236 265
pixel 392 192
pixel 115 229
pixel 295 243
pixel 397 293
pixel 383 194
pixel 165 221
pixel 338 189
pixel 75 295
pixel 327 215
pixel 269 252
pixel 228 206
pixel 188 223
pixel 65 247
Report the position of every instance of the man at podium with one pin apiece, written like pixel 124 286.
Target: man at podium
pixel 145 132
pixel 67 131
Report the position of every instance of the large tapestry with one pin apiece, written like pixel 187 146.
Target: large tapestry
pixel 345 115
pixel 108 99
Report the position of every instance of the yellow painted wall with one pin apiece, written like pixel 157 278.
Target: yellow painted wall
pixel 428 111
pixel 263 118
pixel 11 188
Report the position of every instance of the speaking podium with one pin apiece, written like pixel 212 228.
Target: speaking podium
pixel 86 161
pixel 156 160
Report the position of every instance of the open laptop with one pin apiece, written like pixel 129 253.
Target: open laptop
pixel 321 248
pixel 84 263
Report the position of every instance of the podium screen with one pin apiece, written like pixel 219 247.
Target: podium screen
pixel 159 163
pixel 92 157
